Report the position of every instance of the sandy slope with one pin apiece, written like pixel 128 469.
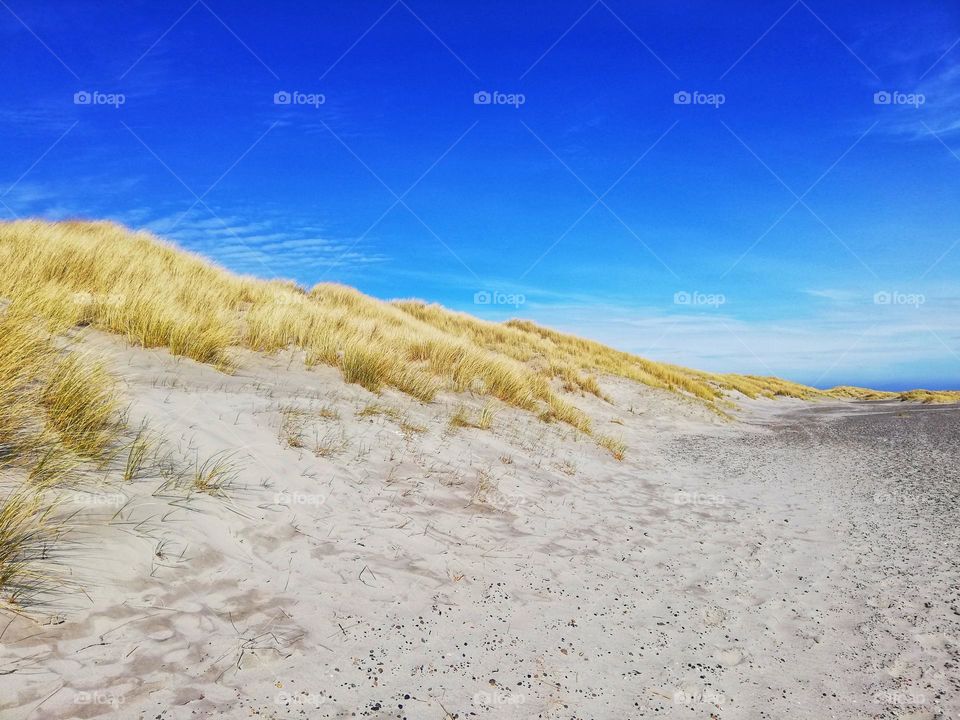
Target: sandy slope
pixel 799 564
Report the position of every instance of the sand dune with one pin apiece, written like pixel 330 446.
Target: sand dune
pixel 363 558
pixel 230 497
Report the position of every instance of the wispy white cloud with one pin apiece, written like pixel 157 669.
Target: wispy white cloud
pixel 266 246
pixel 933 77
pixel 851 337
pixel 833 294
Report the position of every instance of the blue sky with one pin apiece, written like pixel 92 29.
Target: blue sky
pixel 786 220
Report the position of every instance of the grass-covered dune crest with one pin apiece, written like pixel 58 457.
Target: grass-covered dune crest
pixel 157 295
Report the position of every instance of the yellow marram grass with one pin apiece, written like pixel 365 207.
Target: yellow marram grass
pixel 56 409
pixel 50 396
pixel 27 529
pixel 616 446
pixel 931 396
pixel 80 401
pixel 156 295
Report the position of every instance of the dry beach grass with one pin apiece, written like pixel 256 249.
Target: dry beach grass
pixel 156 295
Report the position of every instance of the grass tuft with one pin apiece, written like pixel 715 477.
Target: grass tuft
pixel 460 418
pixel 486 416
pixel 215 476
pixel 292 427
pixel 80 400
pixel 137 451
pixel 483 420
pixel 27 530
pixel 375 410
pixel 615 446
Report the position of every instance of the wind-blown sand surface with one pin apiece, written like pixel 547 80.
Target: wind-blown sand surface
pixel 799 563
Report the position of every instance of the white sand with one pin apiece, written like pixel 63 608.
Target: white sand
pixel 722 570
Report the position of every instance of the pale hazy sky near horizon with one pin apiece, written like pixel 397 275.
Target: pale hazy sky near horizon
pixel 763 187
